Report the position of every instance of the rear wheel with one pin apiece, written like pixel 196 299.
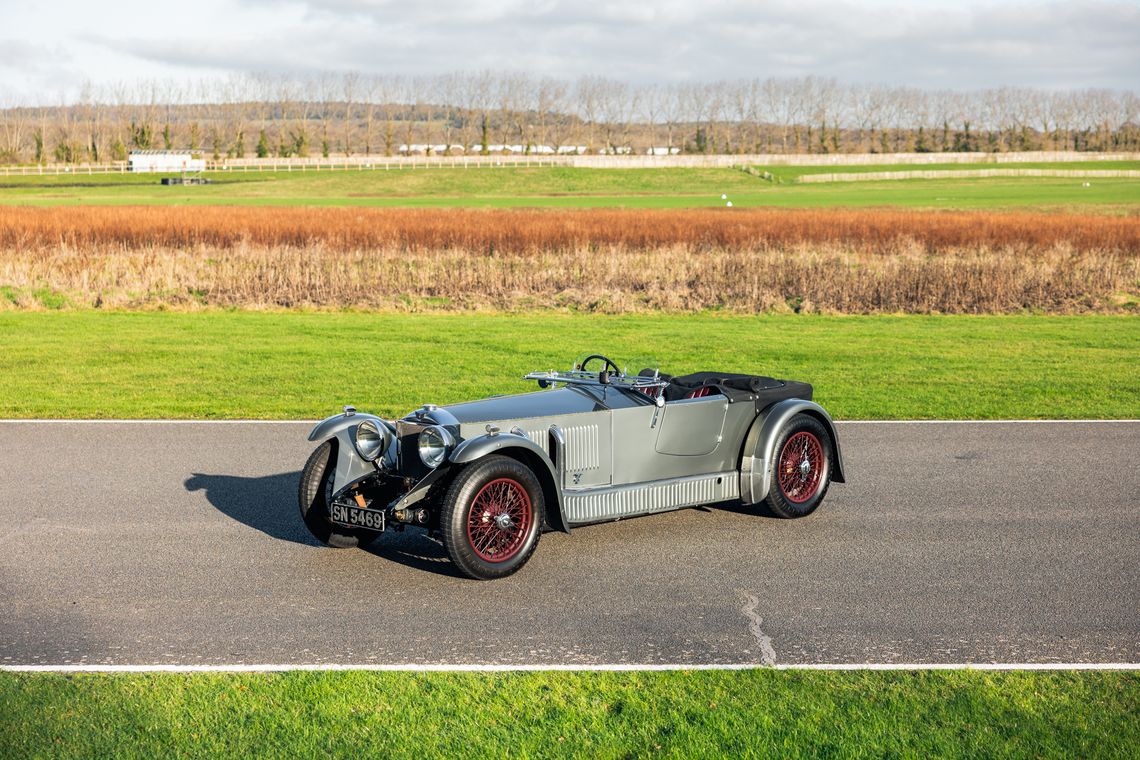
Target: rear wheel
pixel 313 498
pixel 801 470
pixel 491 517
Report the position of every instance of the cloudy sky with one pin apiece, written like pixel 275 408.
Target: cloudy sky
pixel 48 49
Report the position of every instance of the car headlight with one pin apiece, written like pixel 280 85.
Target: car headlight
pixel 434 443
pixel 371 440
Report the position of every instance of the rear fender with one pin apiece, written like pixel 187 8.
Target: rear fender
pixel 760 446
pixel 529 453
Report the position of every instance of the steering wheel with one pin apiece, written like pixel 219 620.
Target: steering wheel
pixel 607 366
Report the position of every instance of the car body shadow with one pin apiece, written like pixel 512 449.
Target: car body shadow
pixel 267 503
pixel 413 548
pixel 737 507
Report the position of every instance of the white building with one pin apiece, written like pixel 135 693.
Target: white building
pixel 166 161
pixel 426 149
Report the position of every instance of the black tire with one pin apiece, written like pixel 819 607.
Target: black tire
pixel 313 499
pixel 802 487
pixel 503 486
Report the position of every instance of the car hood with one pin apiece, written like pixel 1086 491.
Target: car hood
pixel 538 404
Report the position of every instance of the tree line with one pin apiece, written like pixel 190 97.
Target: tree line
pixel 354 114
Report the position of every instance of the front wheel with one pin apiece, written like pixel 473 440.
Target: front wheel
pixel 491 516
pixel 801 470
pixel 313 499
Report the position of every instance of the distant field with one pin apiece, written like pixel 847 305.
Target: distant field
pixel 305 365
pixel 754 713
pixel 790 173
pixel 561 187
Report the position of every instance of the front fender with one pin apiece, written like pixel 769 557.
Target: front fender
pixel 350 468
pixel 533 455
pixel 760 446
pixel 329 427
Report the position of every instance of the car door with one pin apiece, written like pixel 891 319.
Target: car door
pixel 692 427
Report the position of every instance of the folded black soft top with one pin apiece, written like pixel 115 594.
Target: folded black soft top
pixel 767 390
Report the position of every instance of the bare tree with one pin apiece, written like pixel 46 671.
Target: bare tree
pixel 614 101
pixel 14 124
pixel 349 89
pixel 387 92
pixel 744 95
pixel 589 94
pixel 512 94
pixel 368 93
pixel 550 103
pixel 345 113
pixel 672 111
pixel 450 89
pixel 778 98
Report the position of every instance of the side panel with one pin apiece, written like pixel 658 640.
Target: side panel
pixel 589 451
pixel 760 444
pixel 596 504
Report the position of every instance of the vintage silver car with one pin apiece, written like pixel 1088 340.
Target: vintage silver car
pixel 592 444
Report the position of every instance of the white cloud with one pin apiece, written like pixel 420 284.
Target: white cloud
pixel 1085 43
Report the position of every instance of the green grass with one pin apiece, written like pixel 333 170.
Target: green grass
pixel 790 173
pixel 675 714
pixel 296 365
pixel 579 188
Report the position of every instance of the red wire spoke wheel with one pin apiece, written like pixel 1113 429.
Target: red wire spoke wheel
pixel 801 467
pixel 499 520
pixel 491 517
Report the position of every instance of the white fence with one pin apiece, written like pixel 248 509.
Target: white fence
pixel 371 163
pixel 389 163
pixel 966 173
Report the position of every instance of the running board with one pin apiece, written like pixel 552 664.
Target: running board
pixel 589 505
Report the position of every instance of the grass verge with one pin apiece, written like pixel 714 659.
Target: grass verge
pixel 558 187
pixel 791 173
pixel 269 365
pixel 691 714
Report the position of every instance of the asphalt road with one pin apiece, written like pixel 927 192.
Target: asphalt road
pixel 179 544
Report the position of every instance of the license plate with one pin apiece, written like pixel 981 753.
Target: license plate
pixel 355 517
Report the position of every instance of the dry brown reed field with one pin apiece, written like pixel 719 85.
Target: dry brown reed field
pixel 527 231
pixel 746 260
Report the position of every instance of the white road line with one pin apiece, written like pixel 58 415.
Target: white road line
pixel 979 422
pixel 157 422
pixel 609 667
pixel 313 422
